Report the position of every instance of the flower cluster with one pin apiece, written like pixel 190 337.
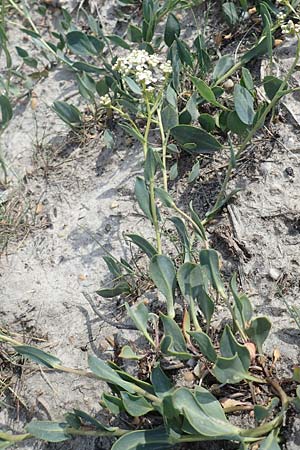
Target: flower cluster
pixel 148 70
pixel 290 28
pixel 105 100
pixel 281 16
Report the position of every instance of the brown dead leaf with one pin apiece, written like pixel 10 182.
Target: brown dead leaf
pixel 33 100
pixel 252 350
pixel 230 402
pixel 276 355
pixel 218 39
pixel 39 208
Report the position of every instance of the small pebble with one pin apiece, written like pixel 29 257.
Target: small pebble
pixel 274 274
pixel 114 205
pixel 289 171
pixel 228 85
pixel 188 376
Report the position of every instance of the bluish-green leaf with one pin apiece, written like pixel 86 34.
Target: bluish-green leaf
pixel 205 345
pixel 143 440
pixel 223 65
pixel 38 356
pixel 106 373
pixel 172 29
pixel 135 405
pixel 142 196
pixel 48 431
pixel 6 110
pixel 162 272
pixel 243 103
pixel 161 383
pixel 139 314
pixel 258 331
pixel 195 140
pixel 143 244
pixel 68 113
pixel 210 259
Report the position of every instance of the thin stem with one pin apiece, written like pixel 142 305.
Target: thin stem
pixel 148 125
pixel 164 143
pixel 151 181
pixel 154 215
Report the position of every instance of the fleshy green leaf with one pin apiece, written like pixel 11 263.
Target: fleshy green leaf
pixel 143 440
pixel 119 289
pixel 127 353
pixel 82 44
pixel 243 103
pixel 169 117
pixel 272 86
pixel 6 110
pixel 86 418
pixel 205 345
pixel 184 237
pixel 106 373
pixel 117 40
pixel 210 259
pixel 112 403
pixel 223 65
pixel 270 442
pixel 68 113
pixel 173 342
pixel 172 29
pixel 209 404
pixel 262 412
pixel 38 356
pixel 135 405
pixel 139 314
pixel 258 331
pixel 195 140
pixel 205 91
pixel 162 272
pixel 229 347
pixel 161 383
pixel 206 425
pixel 142 196
pixel 143 244
pixel 48 431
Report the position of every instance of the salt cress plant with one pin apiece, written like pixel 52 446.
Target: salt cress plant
pixel 145 90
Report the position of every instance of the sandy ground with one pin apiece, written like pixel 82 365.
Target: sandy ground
pixel 85 195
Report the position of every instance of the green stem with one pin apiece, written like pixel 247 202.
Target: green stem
pixel 154 215
pixel 164 143
pixel 148 125
pixel 151 182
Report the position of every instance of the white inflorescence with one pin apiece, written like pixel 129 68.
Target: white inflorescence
pixel 105 100
pixel 290 28
pixel 148 70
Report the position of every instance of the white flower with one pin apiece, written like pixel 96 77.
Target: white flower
pixel 105 100
pixel 281 16
pixel 148 70
pixel 290 28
